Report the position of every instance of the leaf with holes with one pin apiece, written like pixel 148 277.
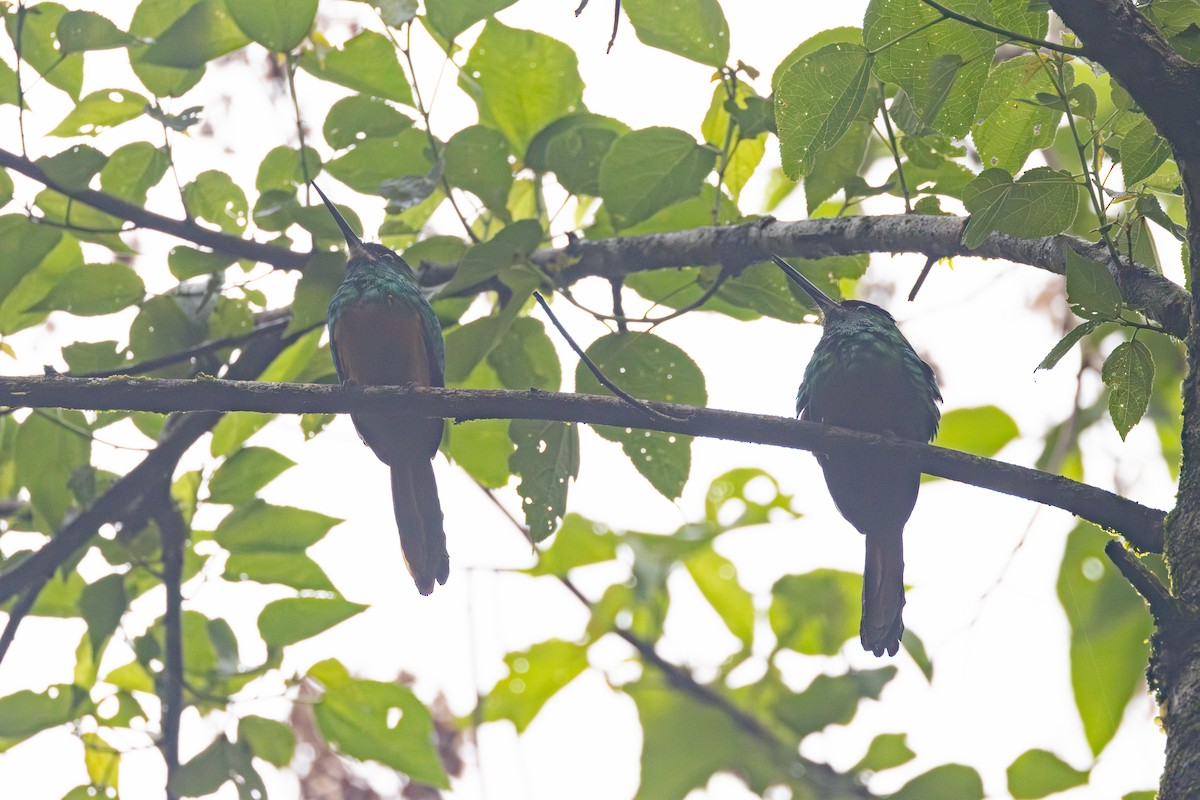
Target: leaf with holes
pixel 1128 373
pixel 649 368
pixel 546 458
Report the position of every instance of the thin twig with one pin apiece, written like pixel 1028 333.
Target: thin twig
pixel 1011 35
pixel 929 262
pixel 595 370
pixel 895 148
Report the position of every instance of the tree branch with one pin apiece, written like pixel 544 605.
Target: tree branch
pixel 121 503
pixel 936 237
pixel 733 246
pixel 181 228
pixel 1141 526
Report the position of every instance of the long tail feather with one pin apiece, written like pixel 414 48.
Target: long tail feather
pixel 419 518
pixel 883 593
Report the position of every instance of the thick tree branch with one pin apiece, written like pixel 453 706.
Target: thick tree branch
pixel 1142 526
pixel 936 237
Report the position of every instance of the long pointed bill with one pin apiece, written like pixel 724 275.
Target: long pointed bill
pixel 823 301
pixel 351 237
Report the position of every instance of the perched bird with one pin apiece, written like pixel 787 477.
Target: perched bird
pixel 865 375
pixel 383 332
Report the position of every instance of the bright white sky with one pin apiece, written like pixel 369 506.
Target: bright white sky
pixel 989 617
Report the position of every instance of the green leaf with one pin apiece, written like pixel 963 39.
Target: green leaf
pixel 948 780
pixel 282 171
pixel 33 285
pixel 940 68
pixel 160 328
pixel 188 262
pixel 1128 373
pixel 579 542
pixel 1040 203
pixel 272 741
pixel 1009 124
pixel 258 527
pixel 520 96
pixel 323 272
pixel 214 196
pixel 649 368
pixel 101 110
pixel 1143 151
pixel 6 188
pixel 367 63
pixel 73 169
pixel 510 246
pixel 477 161
pixel 887 750
pixel 133 169
pixel 831 700
pixel 1092 291
pixel 449 18
pixel 1038 773
pixel 573 147
pixel 40 46
pixel 101 760
pixel 101 604
pixel 359 117
pixel 86 357
pixel 1109 628
pixel 150 20
pixel 817 98
pixel 645 171
pixel 93 290
pixel 294 619
pixel 534 676
pixel 525 357
pixel 203 33
pixel 78 31
pixel 546 458
pixel 694 29
pixel 983 430
pixel 277 25
pixel 50 445
pixel 24 713
pixel 482 447
pixel 287 568
pixel 716 577
pixel 221 761
pixel 239 479
pixel 373 720
pixel 815 613
pixel 743 489
pixel 370 163
pixel 714 743
pixel 1067 342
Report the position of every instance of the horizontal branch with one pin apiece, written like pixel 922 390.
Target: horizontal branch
pixel 1142 526
pixel 936 237
pixel 733 246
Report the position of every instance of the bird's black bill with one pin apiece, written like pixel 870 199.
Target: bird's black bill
pixel 823 301
pixel 351 237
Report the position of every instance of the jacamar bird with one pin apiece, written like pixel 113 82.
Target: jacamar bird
pixel 383 332
pixel 865 375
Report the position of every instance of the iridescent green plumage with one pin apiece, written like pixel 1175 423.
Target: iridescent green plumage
pixel 865 375
pixel 383 332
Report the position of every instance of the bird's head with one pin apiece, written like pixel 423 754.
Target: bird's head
pixel 835 313
pixel 360 253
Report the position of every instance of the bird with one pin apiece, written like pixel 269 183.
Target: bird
pixel 383 332
pixel 864 375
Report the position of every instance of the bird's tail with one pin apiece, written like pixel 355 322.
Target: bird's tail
pixel 883 593
pixel 419 518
